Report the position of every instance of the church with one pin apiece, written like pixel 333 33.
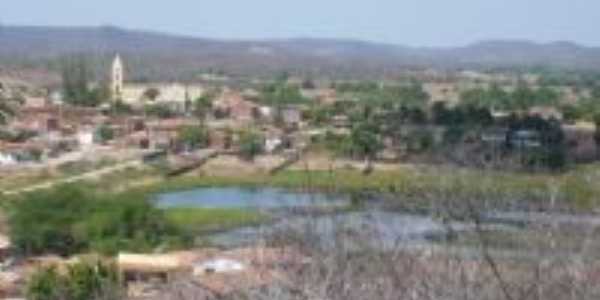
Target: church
pixel 175 95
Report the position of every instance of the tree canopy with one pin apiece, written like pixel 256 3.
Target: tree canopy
pixel 76 79
pixel 522 98
pixel 281 93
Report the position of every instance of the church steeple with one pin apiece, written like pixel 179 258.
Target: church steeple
pixel 117 77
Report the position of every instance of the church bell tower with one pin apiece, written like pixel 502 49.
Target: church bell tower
pixel 117 78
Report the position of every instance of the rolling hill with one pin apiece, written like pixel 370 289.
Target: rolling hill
pixel 152 55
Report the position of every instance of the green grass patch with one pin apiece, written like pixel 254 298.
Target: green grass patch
pixel 208 219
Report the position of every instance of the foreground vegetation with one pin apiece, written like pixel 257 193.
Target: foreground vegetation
pixel 81 281
pixel 73 219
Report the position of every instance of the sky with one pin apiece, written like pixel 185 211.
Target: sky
pixel 421 23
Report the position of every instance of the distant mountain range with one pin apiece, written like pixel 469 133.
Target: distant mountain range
pixel 153 55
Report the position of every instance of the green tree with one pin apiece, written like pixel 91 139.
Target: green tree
pixel 119 107
pixel 572 113
pixel 194 137
pixel 453 135
pixel 497 98
pixel 414 95
pixel 595 93
pixel 105 133
pixel 475 97
pixel 523 97
pixel 6 109
pixel 76 76
pixel 280 93
pixel 202 106
pixel 365 140
pixel 151 94
pixel 251 144
pixel 159 110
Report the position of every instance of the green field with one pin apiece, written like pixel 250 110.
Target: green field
pixel 199 220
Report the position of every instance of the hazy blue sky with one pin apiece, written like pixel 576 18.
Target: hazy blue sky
pixel 411 22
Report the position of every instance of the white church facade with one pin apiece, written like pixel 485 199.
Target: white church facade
pixel 136 95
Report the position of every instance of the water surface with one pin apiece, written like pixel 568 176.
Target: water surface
pixel 248 198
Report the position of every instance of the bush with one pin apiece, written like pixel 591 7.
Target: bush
pixel 365 140
pixel 70 219
pixel 193 137
pixel 105 133
pixel 453 135
pixel 82 281
pixel 251 144
pixel 160 110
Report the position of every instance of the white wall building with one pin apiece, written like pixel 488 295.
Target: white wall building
pixel 7 159
pixel 135 94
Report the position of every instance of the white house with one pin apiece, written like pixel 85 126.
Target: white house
pixel 7 159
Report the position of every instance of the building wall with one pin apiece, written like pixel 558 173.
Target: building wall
pixel 133 94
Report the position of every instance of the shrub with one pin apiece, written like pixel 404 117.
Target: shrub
pixel 251 144
pixel 70 219
pixel 105 133
pixel 193 137
pixel 82 281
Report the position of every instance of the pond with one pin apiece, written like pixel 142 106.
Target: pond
pixel 374 226
pixel 249 198
pixel 386 229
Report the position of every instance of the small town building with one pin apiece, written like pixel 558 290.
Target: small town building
pixel 31 101
pixel 231 104
pixel 546 112
pixel 291 116
pixel 175 95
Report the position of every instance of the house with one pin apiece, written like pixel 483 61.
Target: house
pixel 13 153
pixel 163 134
pixel 7 159
pixel 273 140
pixel 325 96
pixel 231 104
pixel 5 247
pixel 546 112
pixel 85 137
pixel 221 139
pixel 524 139
pixel 291 116
pixel 266 112
pixel 210 271
pixel 54 118
pixel 135 267
pixel 340 121
pixel 31 101
pixel 494 136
